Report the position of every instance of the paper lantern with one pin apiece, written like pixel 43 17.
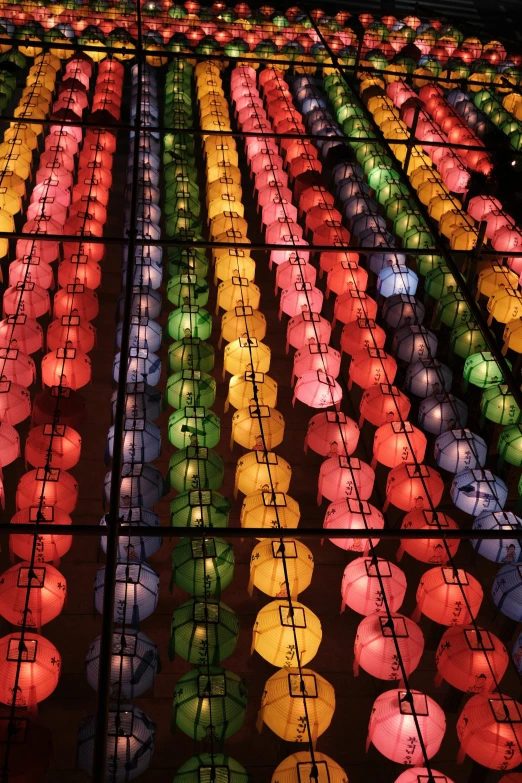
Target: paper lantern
pixel 130 742
pixel 49 548
pixel 393 728
pixel 510 445
pixel 471 659
pixel 371 366
pixel 199 508
pixel 26 746
pixel 298 767
pixel 475 491
pixel 191 387
pixel 348 477
pixel 261 468
pixel 66 367
pixel 72 407
pixel 402 310
pixel 460 449
pixel 208 700
pixel 141 402
pixel 38 664
pixel 383 403
pixel 203 631
pixel 422 775
pixel 202 566
pixel 135 663
pixel 59 446
pixel 316 357
pixel 257 426
pixel 393 280
pixel 196 467
pixel 397 442
pixel 352 514
pixel 482 370
pixel 501 550
pixel 279 627
pixel 412 486
pixel 377 639
pixel 246 353
pixel 49 487
pixel 330 433
pixel 489 729
pixel 141 485
pixel 135 548
pixel 427 377
pixel 441 412
pixel 136 592
pixel 447 595
pixel 205 765
pixel 282 704
pixel 506 591
pixel 305 327
pixel 317 389
pixel 47 592
pixel 193 422
pixel 236 321
pixel 269 509
pixel 428 550
pixel 273 561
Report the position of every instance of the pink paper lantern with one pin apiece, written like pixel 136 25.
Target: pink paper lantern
pixel 410 486
pixel 361 588
pixel 78 300
pixel 422 775
pixel 307 327
pixel 376 642
pixel 316 356
pixel 300 297
pixel 17 367
pixel 393 729
pixel 19 331
pixel 428 550
pixel 489 729
pixel 350 514
pixel 9 444
pixel 446 595
pixel 471 659
pixel 317 389
pixel 15 401
pixel 295 271
pixel 27 298
pixel 349 477
pixel 332 433
pixel 31 270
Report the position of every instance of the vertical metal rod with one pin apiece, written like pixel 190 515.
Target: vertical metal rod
pixel 411 140
pixel 99 772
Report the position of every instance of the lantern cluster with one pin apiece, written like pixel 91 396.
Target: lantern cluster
pixel 134 656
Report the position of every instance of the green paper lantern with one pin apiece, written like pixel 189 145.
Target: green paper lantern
pixel 365 148
pixel 203 631
pixel 191 387
pixel 191 353
pixel 202 567
pixel 180 221
pixel 181 200
pixel 499 406
pixel 510 445
pixel 427 263
pixel 199 508
pixel 439 282
pixel 187 259
pixel 379 175
pixel 406 220
pixel 196 467
pixel 209 702
pixel 207 768
pixel 418 236
pixel 188 287
pixel 467 339
pixel 396 205
pixel 392 189
pixel 190 319
pixel 482 370
pixel 194 421
pixel 452 310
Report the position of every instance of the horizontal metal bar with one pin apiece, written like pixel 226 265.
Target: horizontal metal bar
pixel 146 531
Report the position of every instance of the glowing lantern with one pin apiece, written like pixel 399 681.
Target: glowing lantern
pixel 441 412
pixel 191 387
pixel 448 595
pixel 141 485
pixel 47 591
pixel 209 696
pixel 383 403
pixel 482 370
pixel 50 487
pixel 365 582
pixel 49 548
pixel 241 390
pixel 202 566
pixel 9 444
pixel 196 467
pixel 203 631
pixel 475 491
pixel 199 508
pixel 21 332
pixel 471 659
pixel 318 390
pixel 427 377
pixel 135 663
pixel 26 297
pixel 38 663
pixel 420 774
pixel 349 477
pixel 66 367
pixel 397 442
pixel 282 704
pixel 257 426
pixel 393 727
pixel 506 591
pixel 192 319
pixel 353 514
pixel 411 486
pixel 246 352
pixel 274 561
pixel 489 729
pixel 371 366
pixel 305 327
pixel 332 432
pixel 70 331
pixel 270 509
pixel 298 768
pixel 136 594
pixel 510 445
pixel 360 334
pixel 130 741
pixel 502 550
pixel 376 642
pixel 460 449
pixel 275 630
pixel 234 323
pixel 393 280
pixel 72 407
pixel 402 310
pixel 260 468
pixel 193 422
pixel 316 357
pixel 428 550
pixel 58 446
pixel 299 296
pixel 205 765
pixel 191 353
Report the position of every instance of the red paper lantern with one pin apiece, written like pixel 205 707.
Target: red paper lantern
pixel 52 487
pixel 444 595
pixel 376 642
pixel 9 444
pixel 69 404
pixel 57 445
pixel 361 588
pixel 15 401
pixel 73 331
pixel 428 550
pixel 29 744
pixel 370 367
pixel 383 403
pixel 66 367
pixel 489 729
pixel 317 357
pixel 76 299
pixel 330 433
pixel 19 331
pixel 348 477
pixel 393 728
pixel 39 670
pixel 398 442
pixel 410 486
pixel 360 334
pixel 307 327
pixel 471 659
pixel 47 591
pixel 49 548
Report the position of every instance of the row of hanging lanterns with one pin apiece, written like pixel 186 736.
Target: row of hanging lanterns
pixel 134 656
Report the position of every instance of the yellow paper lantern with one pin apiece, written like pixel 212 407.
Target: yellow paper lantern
pixel 278 626
pixel 513 337
pixel 440 204
pixel 430 188
pixel 218 156
pixel 241 390
pixel 230 266
pixel 246 353
pixel 257 426
pixel 224 143
pixel 228 221
pixel 227 202
pixel 451 220
pixel 464 238
pixel 270 510
pixel 223 187
pixel 22 131
pixel 421 174
pixel 238 292
pixel 282 705
pixel 257 469
pixel 494 277
pixel 297 768
pixel 272 559
pixel 504 306
pixel 10 201
pixel 240 320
